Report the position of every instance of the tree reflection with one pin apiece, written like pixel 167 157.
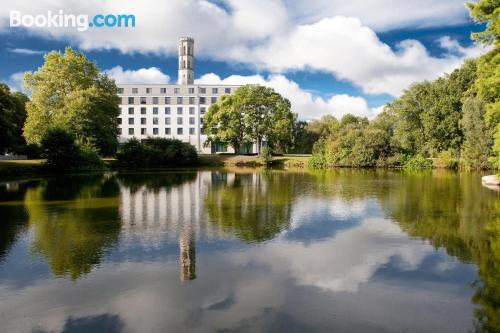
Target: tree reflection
pixel 75 221
pixel 452 211
pixel 253 206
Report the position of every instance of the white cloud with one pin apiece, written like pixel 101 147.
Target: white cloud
pixel 26 51
pixel 15 81
pixel 143 75
pixel 307 105
pixel 335 37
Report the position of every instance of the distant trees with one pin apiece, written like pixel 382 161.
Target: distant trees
pixel 69 92
pixel 12 118
pixel 252 114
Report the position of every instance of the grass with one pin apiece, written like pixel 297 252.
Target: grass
pixel 20 168
pixel 287 160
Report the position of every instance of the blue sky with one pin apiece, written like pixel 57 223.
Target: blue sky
pixel 327 57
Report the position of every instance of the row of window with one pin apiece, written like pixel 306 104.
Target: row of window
pixel 168 100
pixel 177 90
pixel 167 109
pixel 156 131
pixel 180 120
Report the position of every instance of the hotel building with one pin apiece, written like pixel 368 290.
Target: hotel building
pixel 170 110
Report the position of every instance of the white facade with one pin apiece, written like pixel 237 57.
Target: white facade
pixel 170 110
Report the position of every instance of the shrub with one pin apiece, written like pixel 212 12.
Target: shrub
pixel 60 150
pixel 156 152
pixel 32 151
pixel 64 154
pixel 445 159
pixel 266 156
pixel 418 162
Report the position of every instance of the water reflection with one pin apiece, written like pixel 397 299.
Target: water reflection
pixel 349 250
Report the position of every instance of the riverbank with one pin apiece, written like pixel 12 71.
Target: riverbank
pixel 21 168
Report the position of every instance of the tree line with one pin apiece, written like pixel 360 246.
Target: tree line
pixel 453 121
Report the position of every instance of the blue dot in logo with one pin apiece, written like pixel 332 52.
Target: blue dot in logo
pixel 91 24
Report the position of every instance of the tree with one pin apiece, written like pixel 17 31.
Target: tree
pixel 12 118
pixel 477 137
pixel 224 123
pixel 69 92
pixel 488 81
pixel 253 113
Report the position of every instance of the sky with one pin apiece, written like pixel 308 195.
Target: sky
pixel 329 57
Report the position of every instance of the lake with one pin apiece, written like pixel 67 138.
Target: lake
pixel 250 251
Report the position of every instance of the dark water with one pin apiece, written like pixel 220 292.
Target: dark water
pixel 343 251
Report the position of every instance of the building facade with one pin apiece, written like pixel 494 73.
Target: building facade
pixel 170 110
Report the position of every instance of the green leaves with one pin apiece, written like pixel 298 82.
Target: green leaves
pixel 69 92
pixel 252 114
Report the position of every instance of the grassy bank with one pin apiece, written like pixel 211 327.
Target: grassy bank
pixel 287 161
pixel 10 169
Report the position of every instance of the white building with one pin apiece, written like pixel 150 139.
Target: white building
pixel 170 110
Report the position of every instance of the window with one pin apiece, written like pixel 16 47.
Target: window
pixel 167 130
pixel 215 90
pixel 167 100
pixel 155 100
pixel 119 131
pixel 179 121
pixel 191 120
pixel 143 110
pixel 148 90
pixel 203 110
pixel 120 90
pixel 130 100
pixel 167 110
pixel 167 121
pixel 191 100
pixel 155 121
pixel 191 90
pixel 179 110
pixel 135 90
pixel 130 131
pixel 213 100
pixel 177 90
pixel 227 90
pixel 191 131
pixel 191 110
pixel 119 121
pixel 143 121
pixel 202 131
pixel 155 131
pixel 163 90
pixel 202 100
pixel 179 131
pixel 130 110
pixel 143 131
pixel 130 121
pixel 155 110
pixel 202 90
pixel 179 100
pixel 143 100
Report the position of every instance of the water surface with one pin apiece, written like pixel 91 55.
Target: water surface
pixel 250 251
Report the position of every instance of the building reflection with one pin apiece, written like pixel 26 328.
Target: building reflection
pixel 187 256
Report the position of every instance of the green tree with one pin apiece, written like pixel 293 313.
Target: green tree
pixel 488 81
pixel 253 113
pixel 68 91
pixel 477 137
pixel 12 118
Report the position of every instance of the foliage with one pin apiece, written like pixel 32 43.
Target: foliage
pixel 69 92
pixel 62 153
pixel 253 113
pixel 156 152
pixel 418 162
pixel 266 156
pixel 488 81
pixel 12 118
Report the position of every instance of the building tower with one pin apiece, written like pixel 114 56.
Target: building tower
pixel 186 60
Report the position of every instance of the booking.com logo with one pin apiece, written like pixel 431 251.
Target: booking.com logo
pixel 61 20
